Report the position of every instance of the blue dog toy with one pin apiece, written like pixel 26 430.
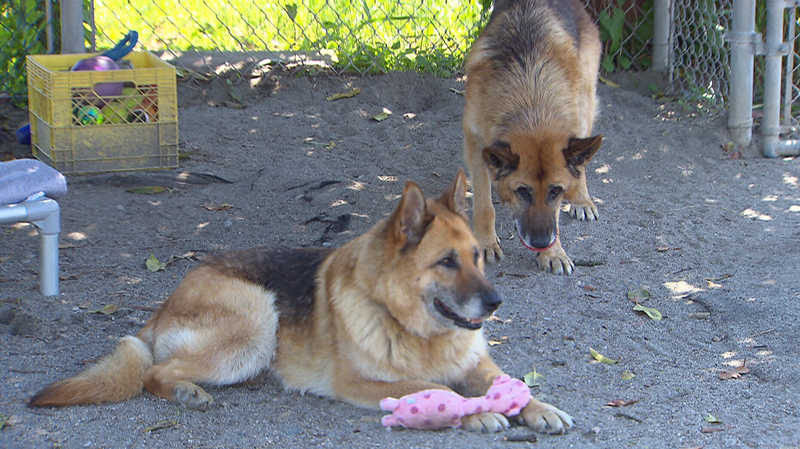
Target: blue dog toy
pixel 123 47
pixel 24 135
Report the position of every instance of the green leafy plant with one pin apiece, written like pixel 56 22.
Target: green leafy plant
pixel 23 26
pixel 364 36
pixel 22 32
pixel 624 34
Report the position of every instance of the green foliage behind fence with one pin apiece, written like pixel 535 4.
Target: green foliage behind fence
pixel 22 32
pixel 361 36
pixel 366 36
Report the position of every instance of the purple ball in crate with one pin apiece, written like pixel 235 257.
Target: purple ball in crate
pixel 101 63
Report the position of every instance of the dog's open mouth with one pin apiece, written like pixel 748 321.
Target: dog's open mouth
pixel 460 321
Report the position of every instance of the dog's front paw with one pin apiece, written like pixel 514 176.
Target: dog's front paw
pixel 192 397
pixel 485 423
pixel 544 418
pixel 491 249
pixel 555 260
pixel 584 211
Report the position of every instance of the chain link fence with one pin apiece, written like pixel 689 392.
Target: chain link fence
pixel 357 37
pixel 791 90
pixel 24 26
pixel 700 67
pixel 371 36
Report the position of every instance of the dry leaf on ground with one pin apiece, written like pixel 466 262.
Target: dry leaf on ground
pixel 381 116
pixel 494 341
pixel 107 309
pixel 621 403
pixel 217 208
pixel 735 374
pixel 601 358
pixel 147 190
pixel 533 379
pixel 348 94
pixel 651 312
pixel 165 424
pixel 639 295
pixel 153 264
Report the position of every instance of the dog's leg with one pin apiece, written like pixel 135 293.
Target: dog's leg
pixel 555 260
pixel 170 380
pixel 544 418
pixel 476 384
pixel 539 416
pixel 483 215
pixel 368 394
pixel 581 205
pixel 215 330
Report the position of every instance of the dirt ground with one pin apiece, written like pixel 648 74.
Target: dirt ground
pixel 713 236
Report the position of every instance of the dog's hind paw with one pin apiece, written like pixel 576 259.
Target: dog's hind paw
pixel 584 212
pixel 485 423
pixel 192 397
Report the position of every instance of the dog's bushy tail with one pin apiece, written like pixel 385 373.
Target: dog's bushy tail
pixel 113 378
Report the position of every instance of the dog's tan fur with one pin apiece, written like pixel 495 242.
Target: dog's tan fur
pixel 530 106
pixel 358 324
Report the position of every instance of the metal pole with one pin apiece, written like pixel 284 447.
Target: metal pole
pixel 46 215
pixel 661 30
pixel 771 126
pixel 48 17
pixel 72 27
pixel 742 38
pixel 789 72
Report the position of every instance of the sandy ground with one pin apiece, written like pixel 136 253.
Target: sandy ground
pixel 715 239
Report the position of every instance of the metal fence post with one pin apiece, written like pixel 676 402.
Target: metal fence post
pixel 776 48
pixel 72 27
pixel 662 23
pixel 742 38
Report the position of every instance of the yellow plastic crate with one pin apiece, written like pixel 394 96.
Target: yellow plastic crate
pixel 70 144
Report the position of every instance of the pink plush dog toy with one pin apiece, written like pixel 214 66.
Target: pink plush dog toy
pixel 435 409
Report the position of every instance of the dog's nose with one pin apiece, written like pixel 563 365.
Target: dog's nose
pixel 540 241
pixel 490 300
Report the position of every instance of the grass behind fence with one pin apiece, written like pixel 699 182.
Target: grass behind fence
pixel 367 36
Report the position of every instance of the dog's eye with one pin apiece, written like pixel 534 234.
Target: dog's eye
pixel 524 193
pixel 448 262
pixel 555 192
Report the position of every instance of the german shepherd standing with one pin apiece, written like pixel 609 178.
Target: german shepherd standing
pixel 395 311
pixel 530 106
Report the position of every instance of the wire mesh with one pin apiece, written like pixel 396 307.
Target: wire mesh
pixel 24 26
pixel 365 37
pixel 700 67
pixel 357 37
pixel 791 98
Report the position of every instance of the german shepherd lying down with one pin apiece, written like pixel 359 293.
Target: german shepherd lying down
pixel 393 312
pixel 530 106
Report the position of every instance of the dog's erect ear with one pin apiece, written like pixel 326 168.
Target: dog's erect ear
pixel 500 158
pixel 455 197
pixel 580 151
pixel 410 218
